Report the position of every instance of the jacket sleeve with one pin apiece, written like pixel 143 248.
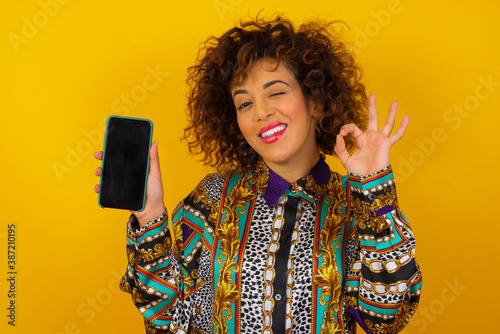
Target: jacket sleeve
pixel 153 273
pixel 384 280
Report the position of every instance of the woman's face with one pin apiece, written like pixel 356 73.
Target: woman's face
pixel 275 118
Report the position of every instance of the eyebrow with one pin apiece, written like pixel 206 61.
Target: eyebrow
pixel 264 86
pixel 240 91
pixel 270 83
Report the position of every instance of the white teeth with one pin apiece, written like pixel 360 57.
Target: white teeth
pixel 273 131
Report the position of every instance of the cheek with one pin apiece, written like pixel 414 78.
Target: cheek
pixel 243 126
pixel 297 109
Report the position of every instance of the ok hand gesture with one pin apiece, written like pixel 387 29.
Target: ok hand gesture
pixel 373 146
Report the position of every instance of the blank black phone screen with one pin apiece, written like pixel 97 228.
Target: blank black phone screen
pixel 125 163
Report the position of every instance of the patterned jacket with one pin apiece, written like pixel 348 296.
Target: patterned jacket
pixel 252 253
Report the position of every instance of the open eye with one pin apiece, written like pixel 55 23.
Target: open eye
pixel 243 105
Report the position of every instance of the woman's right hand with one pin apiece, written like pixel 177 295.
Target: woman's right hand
pixel 155 205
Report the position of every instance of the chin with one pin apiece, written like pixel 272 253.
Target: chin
pixel 277 159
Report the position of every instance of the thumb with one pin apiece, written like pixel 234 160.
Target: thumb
pixel 340 150
pixel 154 160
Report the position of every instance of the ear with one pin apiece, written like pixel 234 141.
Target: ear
pixel 313 109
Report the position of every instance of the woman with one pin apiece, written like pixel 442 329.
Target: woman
pixel 276 242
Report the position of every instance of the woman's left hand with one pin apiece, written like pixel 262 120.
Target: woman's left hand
pixel 373 146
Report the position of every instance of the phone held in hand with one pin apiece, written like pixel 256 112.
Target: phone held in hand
pixel 125 163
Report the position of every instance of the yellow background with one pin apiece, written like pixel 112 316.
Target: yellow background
pixel 64 69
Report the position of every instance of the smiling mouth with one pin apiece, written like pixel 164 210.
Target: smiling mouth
pixel 272 131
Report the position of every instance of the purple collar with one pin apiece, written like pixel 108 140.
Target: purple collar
pixel 276 185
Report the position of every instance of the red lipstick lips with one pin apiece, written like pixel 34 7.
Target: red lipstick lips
pixel 272 132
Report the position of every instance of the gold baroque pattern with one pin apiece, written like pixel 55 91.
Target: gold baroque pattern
pixel 200 196
pixel 151 329
pixel 260 176
pixel 125 285
pixel 147 255
pixel 377 224
pixel 196 312
pixel 401 319
pixel 328 277
pixel 363 210
pixel 188 280
pixel 137 298
pixel 316 189
pixel 351 302
pixel 228 234
pixel 178 238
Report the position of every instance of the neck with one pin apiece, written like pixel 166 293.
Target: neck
pixel 291 172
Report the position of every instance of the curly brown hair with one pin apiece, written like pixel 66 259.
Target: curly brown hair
pixel 315 53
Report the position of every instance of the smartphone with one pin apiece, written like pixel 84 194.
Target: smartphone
pixel 125 163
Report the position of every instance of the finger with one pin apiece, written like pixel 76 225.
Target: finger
pixel 372 113
pixel 391 119
pixel 98 155
pixel 340 149
pixel 98 171
pixel 154 160
pixel 97 188
pixel 351 129
pixel 401 130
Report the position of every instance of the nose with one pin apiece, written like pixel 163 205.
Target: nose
pixel 264 111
